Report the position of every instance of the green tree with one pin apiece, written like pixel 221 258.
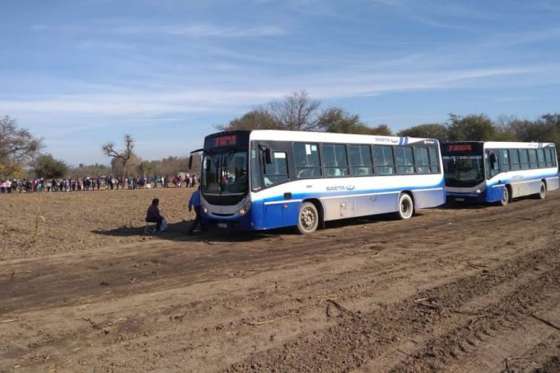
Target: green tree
pixel 471 127
pixel 431 131
pixel 46 166
pixel 17 148
pixel 255 119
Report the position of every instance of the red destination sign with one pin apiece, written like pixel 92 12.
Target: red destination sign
pixel 225 140
pixel 459 147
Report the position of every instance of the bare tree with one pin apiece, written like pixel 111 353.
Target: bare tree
pixel 123 156
pixel 297 112
pixel 17 147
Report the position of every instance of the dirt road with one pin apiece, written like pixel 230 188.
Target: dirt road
pixel 471 289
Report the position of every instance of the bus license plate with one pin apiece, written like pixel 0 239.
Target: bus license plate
pixel 460 199
pixel 222 225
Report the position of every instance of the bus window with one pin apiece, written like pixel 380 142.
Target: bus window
pixel 533 158
pixel 421 160
pixel 360 160
pixel 277 171
pixel 334 160
pixel 492 160
pixel 503 160
pixel 514 159
pixel 306 158
pixel 554 157
pixel 524 157
pixel 256 182
pixel 547 157
pixel 540 158
pixel 383 162
pixel 404 160
pixel 434 158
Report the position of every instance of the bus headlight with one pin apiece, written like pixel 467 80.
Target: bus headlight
pixel 205 210
pixel 478 191
pixel 245 209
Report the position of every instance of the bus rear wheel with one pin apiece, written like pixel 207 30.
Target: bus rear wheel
pixel 406 207
pixel 308 218
pixel 542 191
pixel 506 197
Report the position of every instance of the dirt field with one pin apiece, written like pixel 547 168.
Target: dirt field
pixel 456 290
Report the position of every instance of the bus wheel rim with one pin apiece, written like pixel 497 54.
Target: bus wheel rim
pixel 307 218
pixel 406 207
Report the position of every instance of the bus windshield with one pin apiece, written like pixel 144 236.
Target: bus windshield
pixel 463 171
pixel 225 173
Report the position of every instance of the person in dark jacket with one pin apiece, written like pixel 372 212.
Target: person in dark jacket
pixel 153 216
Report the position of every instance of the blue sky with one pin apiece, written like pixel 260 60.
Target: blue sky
pixel 83 72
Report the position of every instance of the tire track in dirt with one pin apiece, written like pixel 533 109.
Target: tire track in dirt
pixel 361 337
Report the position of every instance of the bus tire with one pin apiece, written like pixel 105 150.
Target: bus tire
pixel 542 191
pixel 406 207
pixel 506 196
pixel 308 218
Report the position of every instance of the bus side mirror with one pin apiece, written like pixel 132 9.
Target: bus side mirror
pixel 493 159
pixel 267 156
pixel 190 162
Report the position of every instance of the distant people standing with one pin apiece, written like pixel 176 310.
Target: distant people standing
pixel 153 216
pixel 194 203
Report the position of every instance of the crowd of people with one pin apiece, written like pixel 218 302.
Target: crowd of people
pixel 98 183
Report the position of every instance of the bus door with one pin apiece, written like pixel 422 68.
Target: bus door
pixel 275 166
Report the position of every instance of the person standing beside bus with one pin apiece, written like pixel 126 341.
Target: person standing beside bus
pixel 194 202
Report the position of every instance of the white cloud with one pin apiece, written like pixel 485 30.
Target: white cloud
pixel 201 30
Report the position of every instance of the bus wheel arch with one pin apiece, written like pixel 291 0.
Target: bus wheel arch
pixel 313 209
pixel 406 205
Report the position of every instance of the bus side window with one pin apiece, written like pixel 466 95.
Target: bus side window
pixel 256 180
pixel 404 159
pixel 277 171
pixel 524 157
pixel 554 157
pixel 434 158
pixel 306 158
pixel 503 156
pixel 493 163
pixel 360 160
pixel 547 157
pixel 335 163
pixel 540 158
pixel 383 162
pixel 421 159
pixel 533 163
pixel 514 158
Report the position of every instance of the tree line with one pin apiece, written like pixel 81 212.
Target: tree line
pixel 299 112
pixel 21 153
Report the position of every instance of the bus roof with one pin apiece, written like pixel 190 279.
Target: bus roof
pixel 331 137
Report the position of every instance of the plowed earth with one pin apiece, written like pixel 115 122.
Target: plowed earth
pixel 82 289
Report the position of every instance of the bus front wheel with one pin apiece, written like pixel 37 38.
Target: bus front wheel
pixel 506 197
pixel 542 191
pixel 308 218
pixel 406 207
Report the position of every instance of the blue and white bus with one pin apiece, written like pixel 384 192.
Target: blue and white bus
pixel 266 179
pixel 492 171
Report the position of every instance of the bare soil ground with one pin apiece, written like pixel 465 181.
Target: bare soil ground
pixel 456 290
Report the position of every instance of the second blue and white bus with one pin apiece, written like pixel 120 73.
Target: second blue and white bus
pixel 267 179
pixel 490 172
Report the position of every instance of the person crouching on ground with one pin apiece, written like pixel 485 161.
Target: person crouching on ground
pixel 153 216
pixel 194 202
